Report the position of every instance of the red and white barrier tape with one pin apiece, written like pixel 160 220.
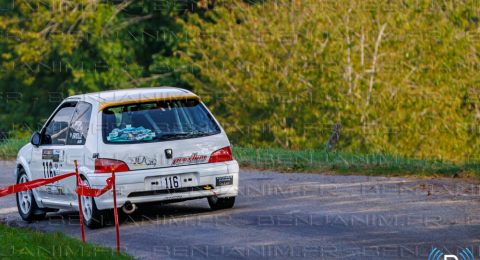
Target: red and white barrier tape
pixel 84 190
pixel 32 184
pixel 81 190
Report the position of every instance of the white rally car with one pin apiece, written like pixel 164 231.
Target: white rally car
pixel 163 142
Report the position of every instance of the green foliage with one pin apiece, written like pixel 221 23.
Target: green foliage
pixel 10 147
pixel 400 76
pixel 52 49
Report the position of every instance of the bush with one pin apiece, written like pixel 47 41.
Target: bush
pixel 400 76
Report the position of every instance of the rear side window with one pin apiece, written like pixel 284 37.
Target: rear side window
pixel 157 121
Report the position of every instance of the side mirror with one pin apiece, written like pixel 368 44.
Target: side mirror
pixel 36 139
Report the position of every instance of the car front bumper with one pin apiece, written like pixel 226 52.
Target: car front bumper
pixel 133 186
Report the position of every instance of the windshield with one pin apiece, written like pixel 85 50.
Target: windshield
pixel 157 121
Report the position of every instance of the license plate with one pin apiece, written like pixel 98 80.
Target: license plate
pixel 224 180
pixel 169 182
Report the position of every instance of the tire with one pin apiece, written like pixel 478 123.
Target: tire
pixel 26 202
pixel 92 217
pixel 221 203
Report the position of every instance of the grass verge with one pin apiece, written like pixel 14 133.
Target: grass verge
pixel 10 147
pixel 319 160
pixel 347 163
pixel 19 243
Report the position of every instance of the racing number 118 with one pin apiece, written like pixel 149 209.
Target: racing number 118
pixel 48 170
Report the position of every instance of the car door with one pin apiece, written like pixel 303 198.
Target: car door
pixel 48 159
pixel 75 146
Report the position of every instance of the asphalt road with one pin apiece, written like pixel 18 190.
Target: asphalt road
pixel 294 215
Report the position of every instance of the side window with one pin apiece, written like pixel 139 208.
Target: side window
pixel 77 134
pixel 57 128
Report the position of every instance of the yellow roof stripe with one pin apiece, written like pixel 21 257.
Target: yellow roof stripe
pixel 104 105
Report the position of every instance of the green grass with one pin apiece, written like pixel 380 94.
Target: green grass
pixel 19 243
pixel 10 147
pixel 320 160
pixel 343 163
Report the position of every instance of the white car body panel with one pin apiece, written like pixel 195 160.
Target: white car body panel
pixel 145 160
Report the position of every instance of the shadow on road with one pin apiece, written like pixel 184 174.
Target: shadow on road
pixel 145 214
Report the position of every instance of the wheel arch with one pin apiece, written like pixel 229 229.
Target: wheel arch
pixel 18 169
pixel 22 164
pixel 84 171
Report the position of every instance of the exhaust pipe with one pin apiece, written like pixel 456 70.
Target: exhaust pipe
pixel 129 208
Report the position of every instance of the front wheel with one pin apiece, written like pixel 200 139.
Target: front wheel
pixel 26 203
pixel 221 203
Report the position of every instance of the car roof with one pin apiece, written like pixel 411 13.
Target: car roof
pixel 121 95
